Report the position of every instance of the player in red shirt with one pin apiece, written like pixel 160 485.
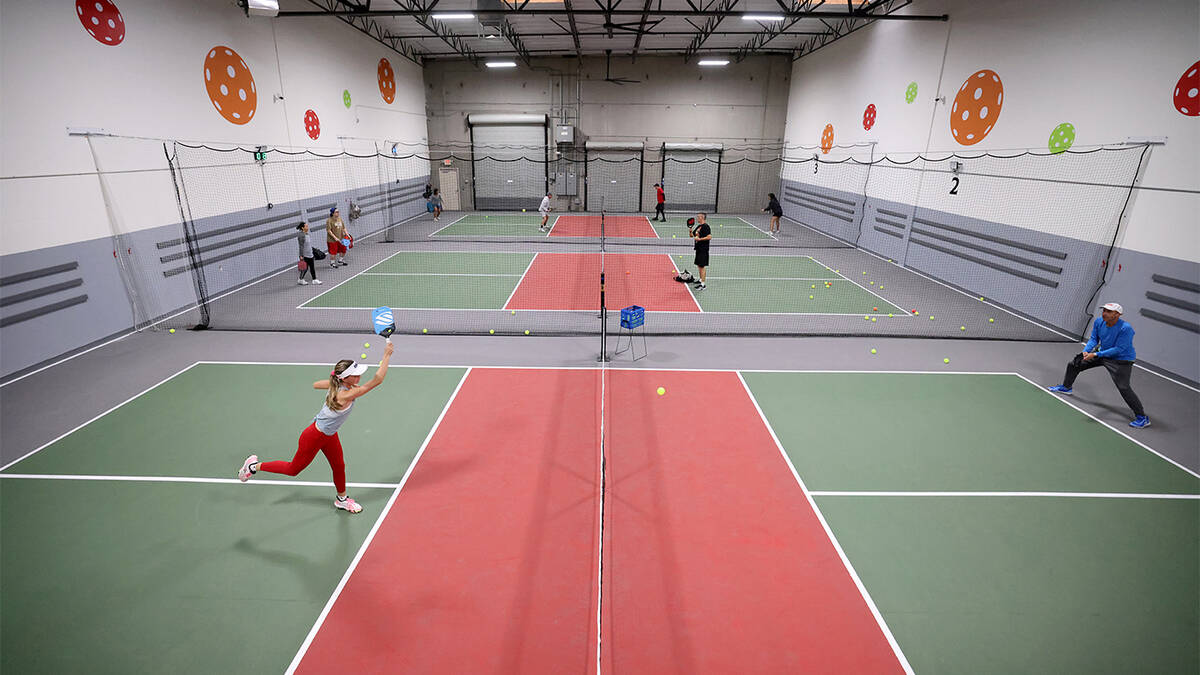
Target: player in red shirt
pixel 662 204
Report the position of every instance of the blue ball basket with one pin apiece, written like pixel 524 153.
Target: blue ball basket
pixel 633 316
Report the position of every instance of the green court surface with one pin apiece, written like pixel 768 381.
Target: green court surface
pixel 907 431
pixel 433 280
pixel 495 225
pixel 103 577
pixel 1029 584
pixel 784 284
pixel 986 583
pixel 204 422
pixel 723 227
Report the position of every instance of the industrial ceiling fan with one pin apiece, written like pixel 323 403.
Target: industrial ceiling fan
pixel 608 71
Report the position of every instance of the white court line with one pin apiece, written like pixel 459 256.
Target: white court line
pixel 897 306
pixel 519 282
pixel 433 274
pixel 1090 495
pixel 464 215
pixel 59 438
pixel 552 224
pixel 188 479
pixel 866 596
pixel 55 363
pixel 1063 400
pixel 756 227
pixel 312 633
pixel 325 364
pixel 837 278
pixel 355 276
pixel 687 284
pixel 657 311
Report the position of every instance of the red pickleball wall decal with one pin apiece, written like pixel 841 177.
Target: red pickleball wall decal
pixel 1187 91
pixel 312 124
pixel 230 85
pixel 869 117
pixel 387 81
pixel 102 20
pixel 827 139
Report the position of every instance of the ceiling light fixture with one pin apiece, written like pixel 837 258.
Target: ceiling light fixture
pixel 501 64
pixel 453 16
pixel 714 62
pixel 762 17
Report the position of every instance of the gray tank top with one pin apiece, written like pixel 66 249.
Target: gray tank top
pixel 329 421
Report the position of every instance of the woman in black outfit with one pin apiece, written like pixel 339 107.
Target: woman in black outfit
pixel 776 211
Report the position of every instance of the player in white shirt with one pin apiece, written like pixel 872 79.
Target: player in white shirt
pixel 545 210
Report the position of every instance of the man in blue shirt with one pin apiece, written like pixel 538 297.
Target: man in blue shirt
pixel 1111 346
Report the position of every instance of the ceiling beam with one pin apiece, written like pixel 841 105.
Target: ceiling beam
pixel 574 28
pixel 709 27
pixel 775 28
pixel 371 28
pixel 641 29
pixel 423 17
pixel 842 28
pixel 833 16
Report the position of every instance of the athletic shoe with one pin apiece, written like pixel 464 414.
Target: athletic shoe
pixel 700 287
pixel 244 472
pixel 1059 389
pixel 333 265
pixel 347 504
pixel 343 263
pixel 302 282
pixel 1140 422
pixel 317 282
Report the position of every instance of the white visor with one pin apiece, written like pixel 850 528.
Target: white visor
pixel 354 369
pixel 1114 307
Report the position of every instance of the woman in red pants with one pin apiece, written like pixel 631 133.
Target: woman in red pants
pixel 342 389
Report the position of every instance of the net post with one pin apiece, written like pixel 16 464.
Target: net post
pixel 603 308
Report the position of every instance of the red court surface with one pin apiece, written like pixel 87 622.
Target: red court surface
pixel 715 562
pixel 487 561
pixel 571 281
pixel 614 226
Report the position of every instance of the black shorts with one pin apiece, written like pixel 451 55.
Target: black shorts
pixel 702 257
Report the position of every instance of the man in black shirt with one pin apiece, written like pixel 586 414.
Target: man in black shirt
pixel 702 235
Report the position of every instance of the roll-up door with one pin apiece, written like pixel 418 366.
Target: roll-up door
pixel 509 160
pixel 614 176
pixel 691 176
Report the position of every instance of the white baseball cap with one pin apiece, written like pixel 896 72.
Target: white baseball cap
pixel 1114 307
pixel 354 369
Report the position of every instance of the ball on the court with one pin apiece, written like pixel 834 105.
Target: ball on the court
pixel 872 283
pixel 981 298
pixel 627 272
pixel 661 391
pixel 362 356
pixel 864 274
pixel 424 330
pixel 171 331
pixel 874 309
pixel 491 331
pixel 872 351
pixel 672 236
pixel 814 285
pixel 889 315
pixel 991 321
pixel 522 210
pixel 945 360
pixel 367 345
pixel 962 327
pixel 872 319
pixel 881 287
pixel 866 318
pixel 931 317
pixel 810 297
pixel 527 331
pixel 916 312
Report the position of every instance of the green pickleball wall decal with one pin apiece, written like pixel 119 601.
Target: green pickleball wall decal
pixel 346 97
pixel 910 94
pixel 1062 137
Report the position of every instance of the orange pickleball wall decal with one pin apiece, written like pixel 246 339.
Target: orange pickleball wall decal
pixel 387 81
pixel 230 85
pixel 102 20
pixel 827 139
pixel 976 107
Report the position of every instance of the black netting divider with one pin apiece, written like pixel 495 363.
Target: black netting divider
pixel 983 246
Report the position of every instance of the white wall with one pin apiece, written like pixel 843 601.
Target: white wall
pixel 55 75
pixel 1108 68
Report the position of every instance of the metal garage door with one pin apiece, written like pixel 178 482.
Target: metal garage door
pixel 691 176
pixel 509 160
pixel 614 176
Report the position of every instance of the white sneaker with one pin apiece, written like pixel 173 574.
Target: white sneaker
pixel 302 282
pixel 244 472
pixel 347 504
pixel 332 265
pixel 316 282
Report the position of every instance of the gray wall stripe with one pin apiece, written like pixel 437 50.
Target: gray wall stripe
pixel 1174 302
pixel 41 311
pixel 38 274
pixel 983 249
pixel 39 292
pixel 1176 283
pixel 987 263
pixel 1178 323
pixel 999 240
pixel 232 228
pixel 889 233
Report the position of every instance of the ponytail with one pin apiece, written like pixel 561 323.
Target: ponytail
pixel 335 384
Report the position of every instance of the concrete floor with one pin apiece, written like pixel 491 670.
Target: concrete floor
pixel 46 404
